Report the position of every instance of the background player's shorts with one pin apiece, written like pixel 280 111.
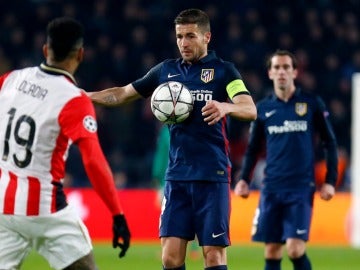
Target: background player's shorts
pixel 61 238
pixel 282 215
pixel 196 207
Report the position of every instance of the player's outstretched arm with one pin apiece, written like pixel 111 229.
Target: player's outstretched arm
pixel 114 96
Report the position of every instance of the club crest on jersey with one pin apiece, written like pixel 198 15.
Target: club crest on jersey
pixel 301 108
pixel 90 124
pixel 207 75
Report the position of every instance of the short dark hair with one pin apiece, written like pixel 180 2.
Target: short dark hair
pixel 63 36
pixel 282 53
pixel 194 16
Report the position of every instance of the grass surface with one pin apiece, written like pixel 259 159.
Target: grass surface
pixel 249 256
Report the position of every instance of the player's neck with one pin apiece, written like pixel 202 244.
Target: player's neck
pixel 285 94
pixel 67 65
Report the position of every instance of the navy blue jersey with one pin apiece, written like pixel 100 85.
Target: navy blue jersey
pixel 197 151
pixel 288 130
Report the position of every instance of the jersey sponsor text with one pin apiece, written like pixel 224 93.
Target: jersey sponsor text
pixel 202 95
pixel 289 126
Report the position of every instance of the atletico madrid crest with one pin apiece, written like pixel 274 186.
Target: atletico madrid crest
pixel 207 75
pixel 301 108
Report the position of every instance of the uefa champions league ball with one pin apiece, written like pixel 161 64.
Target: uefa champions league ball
pixel 171 102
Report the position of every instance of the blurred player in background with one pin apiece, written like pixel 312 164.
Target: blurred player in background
pixel 160 161
pixel 42 113
pixel 287 123
pixel 197 189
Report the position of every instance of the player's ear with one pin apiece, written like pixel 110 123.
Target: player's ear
pixel 295 73
pixel 80 54
pixel 207 37
pixel 45 50
pixel 270 74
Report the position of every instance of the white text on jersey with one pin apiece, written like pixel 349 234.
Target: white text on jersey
pixel 289 126
pixel 201 95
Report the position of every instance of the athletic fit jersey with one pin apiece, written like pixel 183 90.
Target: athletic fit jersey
pixel 197 151
pixel 288 129
pixel 42 112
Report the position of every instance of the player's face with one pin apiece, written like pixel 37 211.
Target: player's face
pixel 282 72
pixel 192 43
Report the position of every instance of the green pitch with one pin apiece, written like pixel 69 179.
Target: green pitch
pixel 249 256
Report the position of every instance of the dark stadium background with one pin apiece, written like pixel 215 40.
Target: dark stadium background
pixel 125 38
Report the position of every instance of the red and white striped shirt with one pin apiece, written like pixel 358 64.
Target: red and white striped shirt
pixel 42 113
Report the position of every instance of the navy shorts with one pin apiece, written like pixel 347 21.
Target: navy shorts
pixel 283 215
pixel 200 208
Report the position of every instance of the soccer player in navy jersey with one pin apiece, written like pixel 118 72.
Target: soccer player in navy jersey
pixel 197 189
pixel 42 113
pixel 287 123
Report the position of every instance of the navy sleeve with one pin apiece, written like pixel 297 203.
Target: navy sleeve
pixel 328 139
pixel 231 72
pixel 255 145
pixel 146 85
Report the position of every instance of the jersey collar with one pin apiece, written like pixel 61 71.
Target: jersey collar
pixel 57 71
pixel 210 56
pixel 296 94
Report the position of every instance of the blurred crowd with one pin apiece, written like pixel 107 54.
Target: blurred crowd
pixel 125 38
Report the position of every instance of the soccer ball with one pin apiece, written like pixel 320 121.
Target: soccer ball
pixel 171 102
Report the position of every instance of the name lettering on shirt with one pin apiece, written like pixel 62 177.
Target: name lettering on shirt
pixel 32 89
